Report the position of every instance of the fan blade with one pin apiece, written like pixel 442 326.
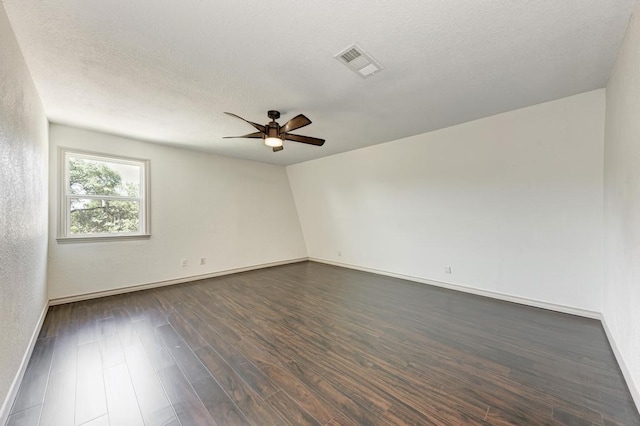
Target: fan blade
pixel 256 125
pixel 256 135
pixel 295 123
pixel 304 139
pixel 278 148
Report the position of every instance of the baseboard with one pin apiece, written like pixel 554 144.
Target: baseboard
pixel 494 295
pixel 633 388
pixel 146 286
pixel 17 380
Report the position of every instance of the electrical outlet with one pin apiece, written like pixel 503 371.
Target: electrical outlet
pixel 183 262
pixel 447 269
pixel 203 260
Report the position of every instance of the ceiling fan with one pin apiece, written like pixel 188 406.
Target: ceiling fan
pixel 274 135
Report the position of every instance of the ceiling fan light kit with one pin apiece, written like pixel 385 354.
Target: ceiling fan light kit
pixel 274 135
pixel 272 141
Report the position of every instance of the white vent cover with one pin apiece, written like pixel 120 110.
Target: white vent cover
pixel 359 61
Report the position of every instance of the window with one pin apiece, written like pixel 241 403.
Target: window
pixel 103 197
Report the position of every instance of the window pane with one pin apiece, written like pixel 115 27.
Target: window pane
pixel 104 196
pixel 94 177
pixel 90 216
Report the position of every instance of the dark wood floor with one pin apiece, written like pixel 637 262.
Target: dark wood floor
pixel 316 344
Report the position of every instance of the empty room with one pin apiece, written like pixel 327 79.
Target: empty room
pixel 322 213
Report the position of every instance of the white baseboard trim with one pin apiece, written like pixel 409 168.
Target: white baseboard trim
pixel 17 380
pixel 633 389
pixel 146 286
pixel 486 293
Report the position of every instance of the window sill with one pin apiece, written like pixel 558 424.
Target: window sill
pixel 102 238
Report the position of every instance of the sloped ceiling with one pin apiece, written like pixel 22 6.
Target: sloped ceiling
pixel 165 70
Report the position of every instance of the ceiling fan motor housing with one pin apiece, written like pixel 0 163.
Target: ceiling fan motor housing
pixel 273 130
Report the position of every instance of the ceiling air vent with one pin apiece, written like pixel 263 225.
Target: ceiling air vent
pixel 359 61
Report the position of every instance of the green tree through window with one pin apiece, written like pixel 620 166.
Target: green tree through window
pixel 99 200
pixel 101 216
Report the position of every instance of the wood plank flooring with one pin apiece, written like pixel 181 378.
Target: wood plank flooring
pixel 312 344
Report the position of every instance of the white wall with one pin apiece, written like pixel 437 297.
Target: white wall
pixel 236 213
pixel 23 210
pixel 621 290
pixel 513 203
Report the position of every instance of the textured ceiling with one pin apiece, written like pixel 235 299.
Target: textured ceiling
pixel 165 70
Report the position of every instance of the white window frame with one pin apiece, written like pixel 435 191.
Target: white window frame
pixel 64 199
